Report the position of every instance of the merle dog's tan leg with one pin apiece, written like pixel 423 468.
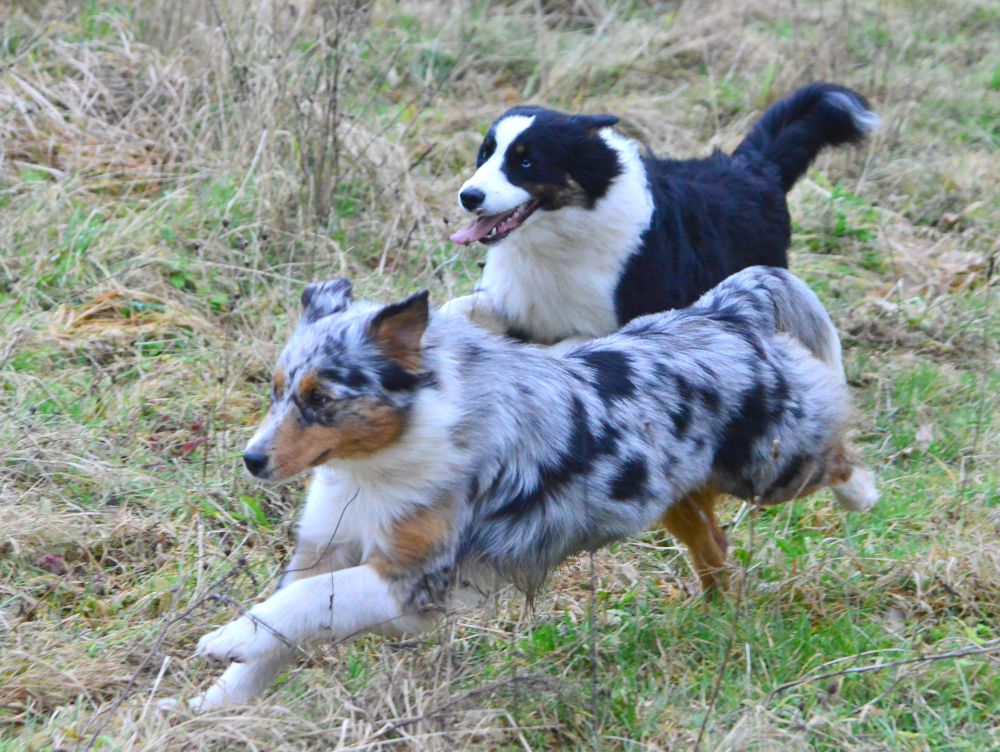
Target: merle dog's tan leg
pixel 691 520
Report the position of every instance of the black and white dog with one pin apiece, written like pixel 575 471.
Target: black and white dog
pixel 587 233
pixel 440 452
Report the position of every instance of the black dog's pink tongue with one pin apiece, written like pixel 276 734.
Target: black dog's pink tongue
pixel 477 230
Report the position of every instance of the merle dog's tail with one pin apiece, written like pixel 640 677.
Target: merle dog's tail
pixel 772 300
pixel 799 313
pixel 793 130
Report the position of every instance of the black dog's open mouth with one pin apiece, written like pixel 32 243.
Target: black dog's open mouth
pixel 495 227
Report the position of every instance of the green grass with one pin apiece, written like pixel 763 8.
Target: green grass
pixel 172 180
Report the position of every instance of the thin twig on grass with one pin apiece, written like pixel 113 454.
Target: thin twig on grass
pixel 993 646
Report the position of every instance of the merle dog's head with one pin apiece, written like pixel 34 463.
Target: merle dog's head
pixel 344 384
pixel 535 160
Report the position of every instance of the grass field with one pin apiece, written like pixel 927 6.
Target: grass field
pixel 173 172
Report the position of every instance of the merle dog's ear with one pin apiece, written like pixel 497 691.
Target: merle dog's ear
pixel 320 299
pixel 594 123
pixel 398 329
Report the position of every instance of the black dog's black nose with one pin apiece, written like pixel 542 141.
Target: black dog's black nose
pixel 255 462
pixel 472 198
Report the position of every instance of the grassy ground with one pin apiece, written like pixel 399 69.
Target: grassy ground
pixel 172 173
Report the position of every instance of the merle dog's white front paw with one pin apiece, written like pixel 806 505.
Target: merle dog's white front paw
pixel 242 641
pixel 168 706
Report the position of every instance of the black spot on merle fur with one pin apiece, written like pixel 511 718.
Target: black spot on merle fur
pixel 394 378
pixel 581 450
pixel 609 438
pixel 350 377
pixel 780 391
pixel 612 373
pixel 356 378
pixel 749 422
pixel 681 418
pixel 710 398
pixel 684 389
pixel 630 481
pixel 791 470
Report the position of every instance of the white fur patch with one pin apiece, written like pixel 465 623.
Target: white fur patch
pixel 555 276
pixel 238 685
pixel 864 119
pixel 335 606
pixel 858 493
pixel 501 194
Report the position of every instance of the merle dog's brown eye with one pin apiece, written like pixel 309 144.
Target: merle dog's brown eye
pixel 317 398
pixel 526 163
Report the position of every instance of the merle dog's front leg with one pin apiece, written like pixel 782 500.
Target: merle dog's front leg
pixel 333 606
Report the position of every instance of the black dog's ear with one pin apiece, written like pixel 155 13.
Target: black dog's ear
pixel 320 299
pixel 594 123
pixel 398 329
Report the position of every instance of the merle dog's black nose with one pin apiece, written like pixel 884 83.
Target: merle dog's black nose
pixel 472 198
pixel 255 463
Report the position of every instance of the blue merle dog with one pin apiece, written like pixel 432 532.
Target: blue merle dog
pixel 437 450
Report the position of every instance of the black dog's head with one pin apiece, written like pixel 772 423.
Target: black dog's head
pixel 533 159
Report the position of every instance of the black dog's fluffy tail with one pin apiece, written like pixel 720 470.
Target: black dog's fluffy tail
pixel 792 131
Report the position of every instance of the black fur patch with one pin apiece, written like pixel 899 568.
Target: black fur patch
pixel 749 422
pixel 609 438
pixel 713 217
pixel 630 481
pixel 682 419
pixel 577 458
pixel 792 469
pixel 394 378
pixel 710 398
pixel 612 373
pixel 350 377
pixel 356 378
pixel 682 415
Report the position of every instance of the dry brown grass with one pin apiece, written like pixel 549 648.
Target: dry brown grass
pixel 172 173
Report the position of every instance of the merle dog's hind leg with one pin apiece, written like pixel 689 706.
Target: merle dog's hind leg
pixel 691 520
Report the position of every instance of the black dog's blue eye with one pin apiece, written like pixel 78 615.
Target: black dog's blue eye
pixel 526 163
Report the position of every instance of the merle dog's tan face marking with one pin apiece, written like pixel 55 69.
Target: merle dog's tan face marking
pixel 344 392
pixel 361 428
